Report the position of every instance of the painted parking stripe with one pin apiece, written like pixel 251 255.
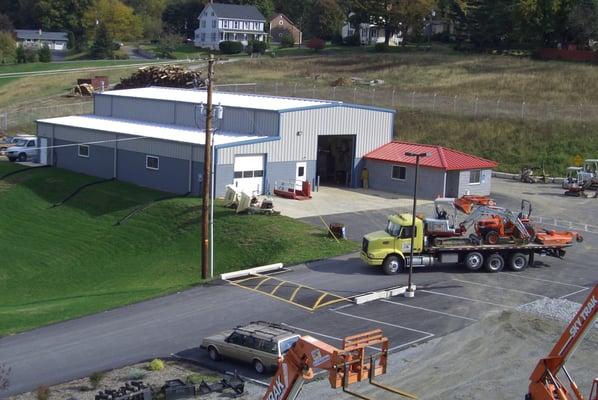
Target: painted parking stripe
pixel 465 298
pixel 321 334
pixel 410 343
pixel 542 280
pixel 383 323
pixel 429 310
pixel 500 288
pixel 574 293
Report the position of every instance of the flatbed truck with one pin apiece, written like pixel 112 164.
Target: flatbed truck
pixel 391 248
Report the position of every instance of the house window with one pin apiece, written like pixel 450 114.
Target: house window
pixel 214 37
pixel 203 24
pixel 214 24
pixel 83 150
pixel 474 176
pixel 203 37
pixel 152 162
pixel 281 22
pixel 226 24
pixel 212 13
pixel 236 25
pixel 399 172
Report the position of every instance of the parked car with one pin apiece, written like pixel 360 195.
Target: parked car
pixel 24 148
pixel 5 142
pixel 259 343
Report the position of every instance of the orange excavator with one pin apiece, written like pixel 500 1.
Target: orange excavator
pixel 345 366
pixel 544 382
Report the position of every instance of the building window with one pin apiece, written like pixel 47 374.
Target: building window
pixel 236 26
pixel 83 150
pixel 474 176
pixel 213 36
pixel 203 37
pixel 281 22
pixel 152 162
pixel 203 24
pixel 399 172
pixel 214 24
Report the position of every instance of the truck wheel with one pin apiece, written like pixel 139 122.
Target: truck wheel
pixel 392 265
pixel 22 157
pixel 517 262
pixel 495 263
pixel 491 237
pixel 474 261
pixel 213 353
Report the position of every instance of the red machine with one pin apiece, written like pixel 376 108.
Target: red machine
pixel 345 366
pixel 544 382
pixel 467 202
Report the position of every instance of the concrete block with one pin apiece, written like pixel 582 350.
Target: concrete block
pixel 252 271
pixel 382 294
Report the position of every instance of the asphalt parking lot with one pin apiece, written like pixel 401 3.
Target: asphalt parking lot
pixel 447 299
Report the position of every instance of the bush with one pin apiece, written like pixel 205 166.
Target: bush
pixel 316 43
pixel 120 55
pixel 95 379
pixel 286 40
pixel 42 393
pixel 136 374
pixel 337 39
pixel 257 46
pixel 230 47
pixel 156 365
pixel 353 40
pixel 31 55
pixel 380 47
pixel 44 54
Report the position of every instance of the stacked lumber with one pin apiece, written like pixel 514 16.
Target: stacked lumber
pixel 168 75
pixel 84 89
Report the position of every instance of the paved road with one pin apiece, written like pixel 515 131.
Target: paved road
pixel 448 299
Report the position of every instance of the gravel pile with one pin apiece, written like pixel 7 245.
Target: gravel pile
pixel 558 309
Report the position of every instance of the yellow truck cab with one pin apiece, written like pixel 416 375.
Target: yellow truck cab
pixel 390 246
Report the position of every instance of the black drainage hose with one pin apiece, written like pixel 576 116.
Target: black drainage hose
pixel 18 171
pixel 147 205
pixel 79 189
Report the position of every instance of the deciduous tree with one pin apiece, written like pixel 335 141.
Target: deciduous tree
pixel 118 19
pixel 180 17
pixel 103 46
pixel 326 19
pixel 8 54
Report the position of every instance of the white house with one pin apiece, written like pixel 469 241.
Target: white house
pixel 369 34
pixel 229 22
pixel 55 40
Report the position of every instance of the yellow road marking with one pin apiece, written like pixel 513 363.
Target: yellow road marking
pixel 337 300
pixel 277 286
pixel 274 297
pixel 294 293
pixel 319 300
pixel 261 283
pixel 247 279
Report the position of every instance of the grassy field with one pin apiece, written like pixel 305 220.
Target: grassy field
pixel 57 66
pixel 60 263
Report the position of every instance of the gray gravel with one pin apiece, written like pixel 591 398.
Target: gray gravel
pixel 558 309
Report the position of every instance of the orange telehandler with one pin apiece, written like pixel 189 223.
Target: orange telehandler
pixel 544 383
pixel 345 366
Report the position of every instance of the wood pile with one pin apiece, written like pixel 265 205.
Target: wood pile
pixel 84 89
pixel 168 75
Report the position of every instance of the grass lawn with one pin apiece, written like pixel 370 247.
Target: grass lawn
pixel 69 261
pixel 56 66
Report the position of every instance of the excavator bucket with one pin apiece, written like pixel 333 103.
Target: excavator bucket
pixel 551 237
pixel 467 202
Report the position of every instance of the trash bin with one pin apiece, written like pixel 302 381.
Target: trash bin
pixel 338 230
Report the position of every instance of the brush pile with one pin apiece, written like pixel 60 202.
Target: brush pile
pixel 168 75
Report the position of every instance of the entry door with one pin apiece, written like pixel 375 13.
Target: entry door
pixel 43 151
pixel 300 174
pixel 249 173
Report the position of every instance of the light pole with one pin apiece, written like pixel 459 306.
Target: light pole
pixel 410 292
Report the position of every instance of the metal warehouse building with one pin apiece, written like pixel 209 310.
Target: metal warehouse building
pixel 154 137
pixel 443 173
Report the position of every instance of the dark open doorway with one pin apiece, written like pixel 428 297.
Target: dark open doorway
pixel 336 155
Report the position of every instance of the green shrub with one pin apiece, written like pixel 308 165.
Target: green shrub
pixel 44 54
pixel 156 365
pixel 287 40
pixel 380 47
pixel 353 40
pixel 230 47
pixel 316 43
pixel 95 379
pixel 31 55
pixel 120 55
pixel 136 374
pixel 42 393
pixel 257 46
pixel 196 379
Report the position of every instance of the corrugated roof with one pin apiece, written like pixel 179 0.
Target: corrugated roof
pixel 30 34
pixel 439 156
pixel 237 11
pixel 155 131
pixel 251 101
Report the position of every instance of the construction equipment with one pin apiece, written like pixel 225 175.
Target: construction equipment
pixel 345 366
pixel 544 382
pixel 589 173
pixel 467 203
pixel 571 177
pixel 532 174
pixel 500 223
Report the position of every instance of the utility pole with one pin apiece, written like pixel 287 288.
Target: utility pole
pixel 207 172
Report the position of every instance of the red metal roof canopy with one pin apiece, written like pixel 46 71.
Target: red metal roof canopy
pixel 440 157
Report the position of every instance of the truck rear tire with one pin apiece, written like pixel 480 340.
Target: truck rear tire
pixel 392 265
pixel 518 262
pixel 495 263
pixel 474 261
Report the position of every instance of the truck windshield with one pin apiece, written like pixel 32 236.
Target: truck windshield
pixel 393 229
pixel 20 142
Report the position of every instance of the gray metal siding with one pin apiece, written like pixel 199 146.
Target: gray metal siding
pixel 157 111
pixel 430 180
pixel 102 105
pixel 481 189
pixel 100 162
pixel 173 175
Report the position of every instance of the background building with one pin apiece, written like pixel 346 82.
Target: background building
pixel 229 22
pixel 154 137
pixel 445 173
pixel 281 24
pixel 56 41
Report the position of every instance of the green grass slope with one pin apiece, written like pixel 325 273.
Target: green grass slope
pixel 60 263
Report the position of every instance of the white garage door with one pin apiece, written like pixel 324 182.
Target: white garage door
pixel 249 173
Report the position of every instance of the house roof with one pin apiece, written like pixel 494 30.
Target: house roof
pixel 31 34
pixel 174 133
pixel 237 11
pixel 240 100
pixel 440 157
pixel 284 16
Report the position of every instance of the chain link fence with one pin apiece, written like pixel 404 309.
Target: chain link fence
pixel 23 118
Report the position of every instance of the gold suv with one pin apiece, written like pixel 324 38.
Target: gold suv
pixel 259 343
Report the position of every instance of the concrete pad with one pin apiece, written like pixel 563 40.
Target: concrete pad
pixel 331 200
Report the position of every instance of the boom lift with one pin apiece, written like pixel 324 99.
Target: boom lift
pixel 544 383
pixel 345 366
